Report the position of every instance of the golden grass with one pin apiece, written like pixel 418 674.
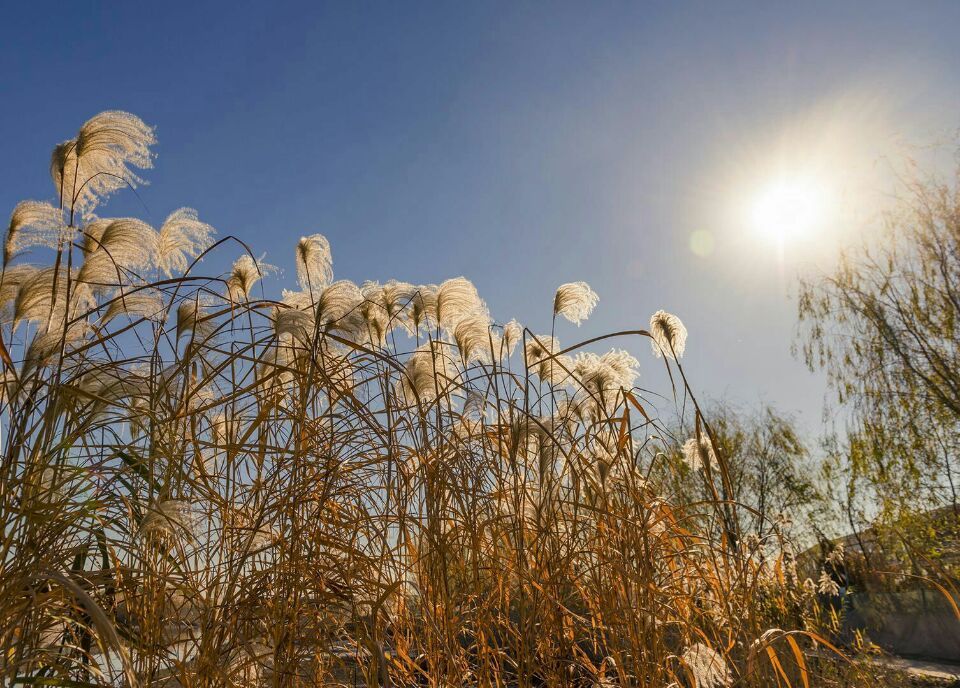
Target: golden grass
pixel 225 490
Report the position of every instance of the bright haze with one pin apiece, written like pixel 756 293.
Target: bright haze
pixel 691 157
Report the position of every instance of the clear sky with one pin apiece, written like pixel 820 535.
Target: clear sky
pixel 520 144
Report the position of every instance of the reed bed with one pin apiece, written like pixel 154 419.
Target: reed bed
pixel 373 484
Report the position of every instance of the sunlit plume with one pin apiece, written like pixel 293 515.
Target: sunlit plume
pixel 474 405
pixel 575 301
pixel 699 453
pixel 512 334
pixel 182 237
pixel 826 585
pixel 140 304
pixel 300 300
pixel 193 320
pixel 669 336
pixel 473 337
pixel 384 308
pixel 296 324
pixel 396 297
pixel 34 223
pixel 97 162
pixel 374 313
pixel 541 358
pixel 609 372
pixel 13 277
pixel 275 376
pixel 423 307
pixel 456 299
pixel 314 263
pixel 100 391
pixel 599 379
pixel 46 344
pixel 42 298
pixel 105 382
pixel 244 275
pixel 338 307
pixel 428 373
pixel 116 251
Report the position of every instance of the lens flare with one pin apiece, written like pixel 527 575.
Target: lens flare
pixel 790 209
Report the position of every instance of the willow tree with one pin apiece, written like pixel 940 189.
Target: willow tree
pixel 884 326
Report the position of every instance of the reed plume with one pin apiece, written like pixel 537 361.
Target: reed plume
pixel 668 335
pixel 698 453
pixel 182 237
pixel 244 275
pixel 116 251
pixel 351 485
pixel 90 167
pixel 34 223
pixel 314 263
pixel 457 298
pixel 575 301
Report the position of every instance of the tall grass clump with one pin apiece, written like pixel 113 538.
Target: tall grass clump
pixel 373 484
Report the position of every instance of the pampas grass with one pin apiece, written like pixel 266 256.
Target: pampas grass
pixel 575 301
pixel 668 336
pixel 347 486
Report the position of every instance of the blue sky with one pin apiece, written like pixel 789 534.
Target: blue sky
pixel 520 144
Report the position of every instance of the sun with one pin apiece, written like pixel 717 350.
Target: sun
pixel 790 208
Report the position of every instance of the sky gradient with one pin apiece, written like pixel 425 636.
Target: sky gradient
pixel 519 144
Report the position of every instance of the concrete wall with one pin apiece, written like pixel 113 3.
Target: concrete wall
pixel 917 623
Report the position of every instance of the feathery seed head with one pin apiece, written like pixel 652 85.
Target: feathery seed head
pixel 314 263
pixel 697 454
pixel 115 248
pixel 244 275
pixel 192 319
pixel 512 334
pixel 13 277
pixel 575 301
pixel 396 297
pixel 428 373
pixel 541 357
pixel 423 307
pixel 609 372
pixel 474 404
pixel 539 347
pixel 456 299
pixel 182 237
pixel 472 336
pixel 139 304
pixel 372 310
pixel 45 345
pixel 41 297
pixel 835 557
pixel 338 303
pixel 296 324
pixel 669 335
pixel 826 585
pixel 707 667
pixel 97 162
pixel 34 223
pixel 300 300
